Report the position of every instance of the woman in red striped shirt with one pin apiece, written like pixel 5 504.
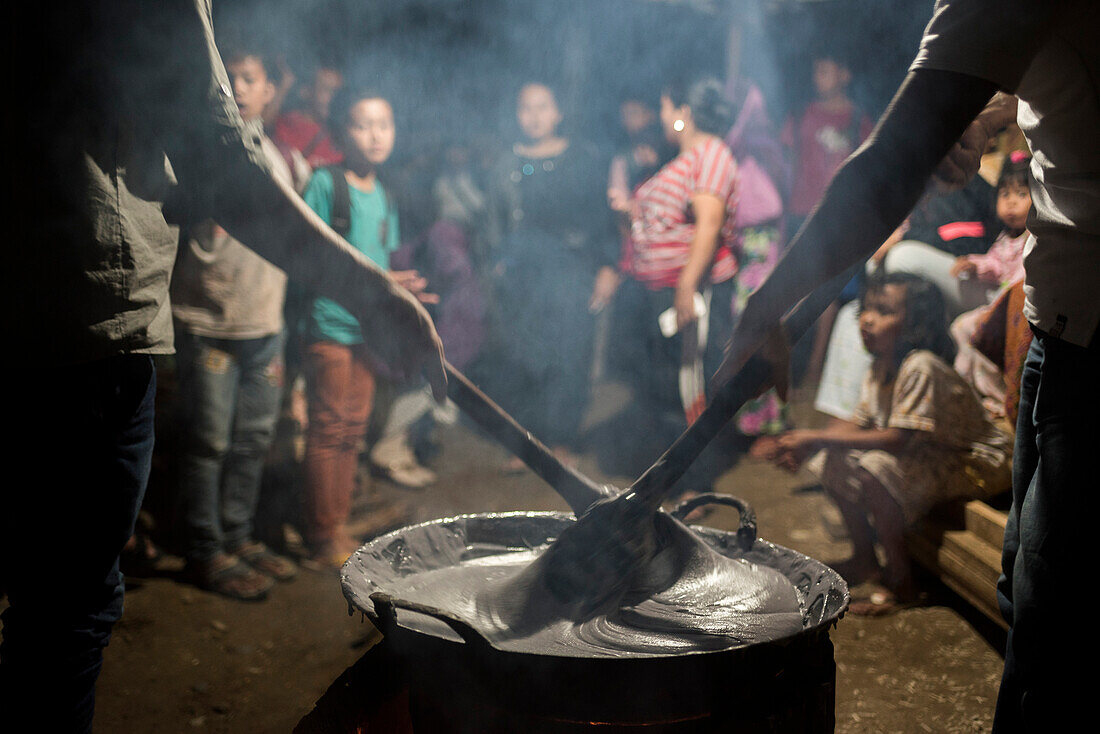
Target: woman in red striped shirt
pixel 681 252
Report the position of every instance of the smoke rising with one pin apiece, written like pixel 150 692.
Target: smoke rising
pixel 452 68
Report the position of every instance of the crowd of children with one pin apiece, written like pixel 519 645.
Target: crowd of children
pixel 523 252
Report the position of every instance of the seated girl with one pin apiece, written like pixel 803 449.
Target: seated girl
pixel 919 437
pixel 997 270
pixel 1003 263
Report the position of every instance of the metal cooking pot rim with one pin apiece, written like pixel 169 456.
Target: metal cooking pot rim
pixel 825 607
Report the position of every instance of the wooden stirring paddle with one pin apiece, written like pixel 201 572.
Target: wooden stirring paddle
pixel 653 486
pixel 574 487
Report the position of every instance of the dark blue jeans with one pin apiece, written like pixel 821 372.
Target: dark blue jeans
pixel 230 391
pixel 1050 549
pixel 83 442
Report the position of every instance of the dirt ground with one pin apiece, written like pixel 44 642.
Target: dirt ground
pixel 183 660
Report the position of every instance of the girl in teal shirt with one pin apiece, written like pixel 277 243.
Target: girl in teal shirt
pixel 339 381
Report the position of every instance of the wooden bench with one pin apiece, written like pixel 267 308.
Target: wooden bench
pixel 961 544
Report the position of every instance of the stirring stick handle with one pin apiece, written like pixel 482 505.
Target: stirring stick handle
pixel 653 486
pixel 574 487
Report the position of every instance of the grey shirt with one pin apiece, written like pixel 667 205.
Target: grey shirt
pixel 116 90
pixel 222 289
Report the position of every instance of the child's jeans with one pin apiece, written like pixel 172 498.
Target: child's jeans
pixel 230 391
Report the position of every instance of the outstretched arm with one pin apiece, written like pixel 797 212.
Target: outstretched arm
pixel 791 449
pixel 867 199
pixel 218 162
pixel 710 212
pixel 284 230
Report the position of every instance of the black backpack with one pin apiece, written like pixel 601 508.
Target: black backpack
pixel 341 206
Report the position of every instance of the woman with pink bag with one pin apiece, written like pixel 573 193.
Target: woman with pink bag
pixel 759 224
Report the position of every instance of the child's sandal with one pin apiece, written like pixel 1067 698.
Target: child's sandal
pixel 229 576
pixel 263 559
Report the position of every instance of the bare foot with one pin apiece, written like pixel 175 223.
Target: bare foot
pixel 331 555
pixel 878 604
pixel 882 602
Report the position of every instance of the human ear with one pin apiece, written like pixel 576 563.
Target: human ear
pixel 269 92
pixel 684 113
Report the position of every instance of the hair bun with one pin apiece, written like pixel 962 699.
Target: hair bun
pixel 710 108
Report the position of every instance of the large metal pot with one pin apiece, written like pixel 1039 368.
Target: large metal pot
pixel 459 682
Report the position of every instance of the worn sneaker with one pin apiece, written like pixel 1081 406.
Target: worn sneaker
pixel 393 458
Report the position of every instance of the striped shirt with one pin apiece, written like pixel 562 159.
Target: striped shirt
pixel 662 226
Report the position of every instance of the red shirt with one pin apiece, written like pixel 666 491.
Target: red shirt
pixel 662 226
pixel 823 140
pixel 299 131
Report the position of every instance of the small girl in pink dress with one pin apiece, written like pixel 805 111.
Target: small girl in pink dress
pixel 999 268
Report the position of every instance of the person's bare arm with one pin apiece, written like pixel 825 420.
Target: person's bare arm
pixel 710 213
pixel 849 436
pixel 607 282
pixel 794 447
pixel 869 196
pixel 285 231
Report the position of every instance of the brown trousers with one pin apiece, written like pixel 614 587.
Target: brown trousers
pixel 341 393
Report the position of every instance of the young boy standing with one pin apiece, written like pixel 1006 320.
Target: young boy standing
pixel 227 303
pixel 305 129
pixel 827 131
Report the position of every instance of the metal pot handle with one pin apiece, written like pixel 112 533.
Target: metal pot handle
pixel 746 530
pixel 385 606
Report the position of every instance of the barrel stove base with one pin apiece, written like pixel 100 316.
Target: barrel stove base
pixel 793 690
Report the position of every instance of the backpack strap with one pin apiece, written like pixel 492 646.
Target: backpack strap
pixel 384 225
pixel 341 201
pixel 341 206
